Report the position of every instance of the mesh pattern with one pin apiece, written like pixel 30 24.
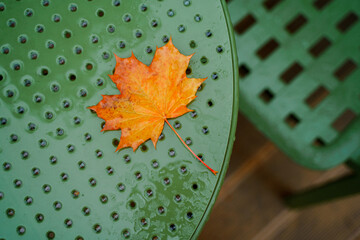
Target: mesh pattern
pixel 298 64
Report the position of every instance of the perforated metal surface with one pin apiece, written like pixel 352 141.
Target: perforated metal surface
pixel 299 75
pixel 60 176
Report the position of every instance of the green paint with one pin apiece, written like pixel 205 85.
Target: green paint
pixel 97 44
pixel 269 117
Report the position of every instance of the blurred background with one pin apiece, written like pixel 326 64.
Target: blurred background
pixel 250 204
pixel 299 102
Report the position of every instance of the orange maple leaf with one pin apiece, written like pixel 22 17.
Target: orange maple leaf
pixel 149 95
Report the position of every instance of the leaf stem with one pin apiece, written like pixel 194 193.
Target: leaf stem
pixel 212 170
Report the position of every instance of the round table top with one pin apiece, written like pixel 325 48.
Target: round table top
pixel 61 177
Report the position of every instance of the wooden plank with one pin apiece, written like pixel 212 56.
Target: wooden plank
pixel 286 217
pixel 250 203
pixel 239 176
pixel 244 212
pixel 248 141
pixel 330 221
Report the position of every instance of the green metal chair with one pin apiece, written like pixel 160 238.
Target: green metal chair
pixel 61 177
pixel 299 82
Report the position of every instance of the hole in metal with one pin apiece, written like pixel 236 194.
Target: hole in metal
pixel 317 96
pixel 267 49
pixel 347 22
pixel 296 23
pixel 318 48
pixel 344 120
pixel 291 72
pixel 270 4
pixel 320 4
pixel 245 24
pixel 292 120
pixel 267 95
pixel 344 71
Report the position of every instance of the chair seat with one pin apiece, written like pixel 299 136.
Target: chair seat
pixel 299 76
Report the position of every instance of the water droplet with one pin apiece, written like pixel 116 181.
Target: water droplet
pixel 87 137
pixel 126 234
pixel 170 13
pixel 205 130
pixel 68 223
pixel 183 169
pixel 166 181
pixel 35 171
pixel 138 34
pixel 214 76
pixel 28 12
pixel 103 198
pixel 28 200
pixel 116 3
pixel 97 228
pixel 187 3
pixel 143 8
pixel 14 137
pixel 127 158
pixel 37 99
pixel 121 187
pixel 7 166
pixel 98 153
pixel 86 211
pixel 115 216
pixel 70 148
pixel 197 18
pixel 56 18
pixel 81 164
pixel 21 230
pixel 143 222
pixel 77 120
pixel 122 44
pixel 57 205
pixel 92 182
pixel 10 212
pixel 53 159
pixel 39 217
pixel 161 210
pixel 149 193
pixel 3 121
pixel 46 188
pixel 181 28
pixel 208 33
pixel 127 18
pixel 171 152
pixel 172 227
pixel 24 154
pixel 155 164
pixel 111 28
pixel 42 143
pixel 154 23
pixel 73 8
pixel 165 39
pixel 138 175
pixel 39 28
pixel 177 198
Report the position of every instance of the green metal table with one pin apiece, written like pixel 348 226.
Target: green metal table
pixel 61 177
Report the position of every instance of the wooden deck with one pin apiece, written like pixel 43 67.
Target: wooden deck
pixel 250 205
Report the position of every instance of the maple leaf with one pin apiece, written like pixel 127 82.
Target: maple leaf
pixel 149 96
